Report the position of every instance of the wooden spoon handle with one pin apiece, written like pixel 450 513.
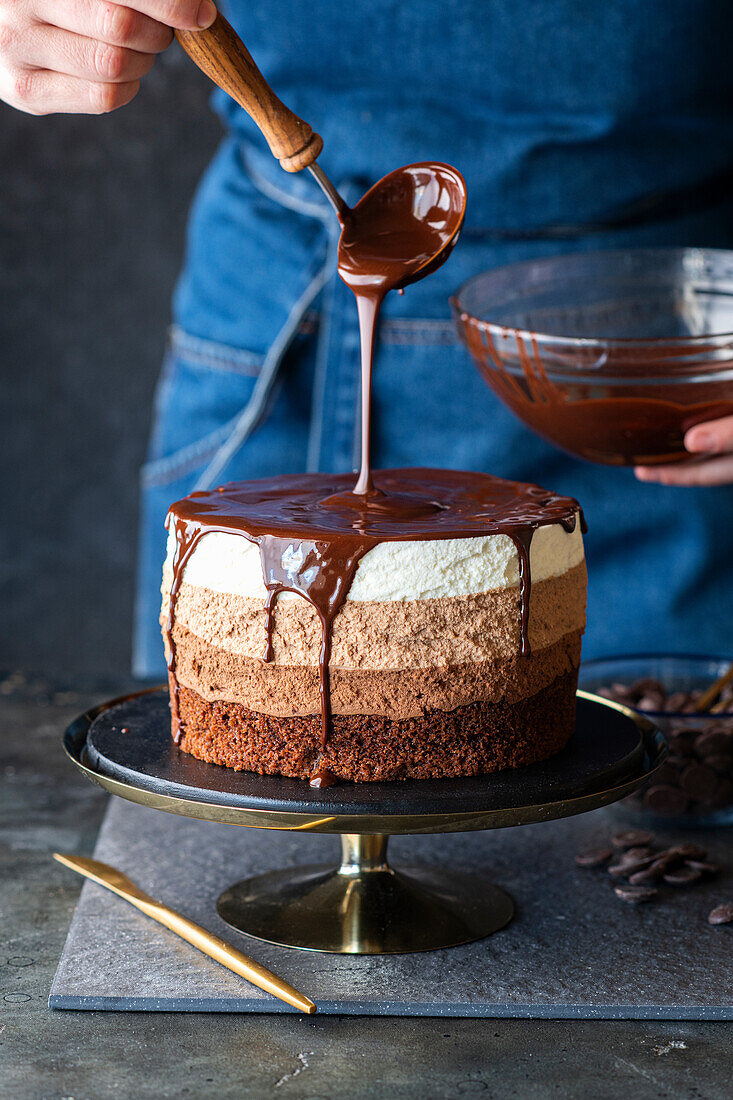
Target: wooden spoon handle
pixel 220 53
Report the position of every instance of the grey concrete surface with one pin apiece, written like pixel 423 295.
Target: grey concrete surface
pixel 48 1055
pixel 92 213
pixel 572 950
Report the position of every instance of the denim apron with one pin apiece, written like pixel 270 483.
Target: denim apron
pixel 578 124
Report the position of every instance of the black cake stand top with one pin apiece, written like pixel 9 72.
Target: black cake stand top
pixel 127 747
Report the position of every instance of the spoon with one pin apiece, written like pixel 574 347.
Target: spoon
pixel 220 53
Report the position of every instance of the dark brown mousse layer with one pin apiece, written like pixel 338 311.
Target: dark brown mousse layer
pixel 472 740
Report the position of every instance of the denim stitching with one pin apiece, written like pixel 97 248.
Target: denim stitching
pixel 163 470
pixel 315 435
pixel 250 415
pixel 271 191
pixel 417 331
pixel 215 356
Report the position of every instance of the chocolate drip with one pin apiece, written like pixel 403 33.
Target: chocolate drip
pixel 522 539
pixel 321 572
pixel 312 533
pixel 187 536
pixel 323 778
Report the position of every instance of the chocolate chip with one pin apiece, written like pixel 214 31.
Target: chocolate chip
pixel 632 838
pixel 679 762
pixel 685 851
pixel 707 869
pixel 699 782
pixel 721 914
pixel 620 870
pixel 635 855
pixel 624 867
pixel 721 763
pixel 665 800
pixel 711 742
pixel 682 741
pixel 635 895
pixel 654 871
pixel 682 876
pixel 593 857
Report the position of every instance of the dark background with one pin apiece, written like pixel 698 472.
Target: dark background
pixel 92 220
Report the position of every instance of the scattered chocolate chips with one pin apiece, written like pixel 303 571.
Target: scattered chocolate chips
pixel 635 895
pixel 593 857
pixel 645 867
pixel 632 838
pixel 697 777
pixel 721 914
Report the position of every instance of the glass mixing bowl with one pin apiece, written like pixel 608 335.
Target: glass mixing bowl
pixel 610 355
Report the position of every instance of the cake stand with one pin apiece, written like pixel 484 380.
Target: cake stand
pixel 363 906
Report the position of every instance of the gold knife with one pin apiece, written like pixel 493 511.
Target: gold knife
pixel 194 934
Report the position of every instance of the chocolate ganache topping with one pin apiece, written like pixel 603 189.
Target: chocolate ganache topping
pixel 311 536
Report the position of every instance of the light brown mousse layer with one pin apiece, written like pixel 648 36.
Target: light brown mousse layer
pixel 396 659
pixel 470 740
pixel 389 635
pixel 398 694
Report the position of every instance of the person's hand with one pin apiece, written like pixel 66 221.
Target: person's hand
pixel 711 446
pixel 86 56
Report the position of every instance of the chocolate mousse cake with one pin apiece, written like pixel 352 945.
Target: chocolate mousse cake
pixel 427 629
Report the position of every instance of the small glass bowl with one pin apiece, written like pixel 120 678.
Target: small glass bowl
pixel 613 355
pixel 694 786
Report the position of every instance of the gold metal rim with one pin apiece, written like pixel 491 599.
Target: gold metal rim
pixel 386 824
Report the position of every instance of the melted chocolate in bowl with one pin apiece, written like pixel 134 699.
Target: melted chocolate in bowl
pixel 638 418
pixel 612 356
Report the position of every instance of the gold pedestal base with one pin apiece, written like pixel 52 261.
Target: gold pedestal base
pixel 364 907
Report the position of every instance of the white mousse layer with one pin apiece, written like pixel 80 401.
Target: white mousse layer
pixel 395 570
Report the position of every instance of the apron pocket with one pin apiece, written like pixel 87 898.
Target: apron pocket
pixel 204 387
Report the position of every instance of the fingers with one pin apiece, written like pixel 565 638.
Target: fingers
pixel 186 15
pixel 40 92
pixel 73 55
pixel 713 437
pixel 115 24
pixel 695 473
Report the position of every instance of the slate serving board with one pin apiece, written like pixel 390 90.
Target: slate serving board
pixel 573 949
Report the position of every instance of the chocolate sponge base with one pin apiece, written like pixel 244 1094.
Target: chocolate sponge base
pixel 470 740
